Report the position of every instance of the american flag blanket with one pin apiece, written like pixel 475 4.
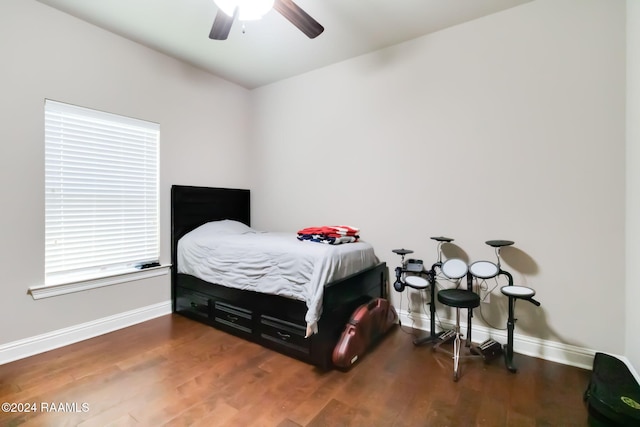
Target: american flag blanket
pixel 330 234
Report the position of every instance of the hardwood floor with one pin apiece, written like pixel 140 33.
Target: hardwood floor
pixel 177 372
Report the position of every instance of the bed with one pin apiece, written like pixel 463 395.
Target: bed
pixel 279 320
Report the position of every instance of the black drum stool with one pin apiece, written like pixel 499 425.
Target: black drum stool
pixel 458 298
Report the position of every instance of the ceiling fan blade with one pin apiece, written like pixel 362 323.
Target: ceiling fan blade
pixel 222 25
pixel 299 18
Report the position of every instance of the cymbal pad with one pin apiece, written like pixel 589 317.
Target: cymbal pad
pixel 499 243
pixel 402 251
pixel 442 239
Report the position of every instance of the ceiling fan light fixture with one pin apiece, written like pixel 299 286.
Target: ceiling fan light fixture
pixel 248 10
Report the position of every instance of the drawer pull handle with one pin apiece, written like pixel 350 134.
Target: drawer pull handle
pixel 283 336
pixel 232 318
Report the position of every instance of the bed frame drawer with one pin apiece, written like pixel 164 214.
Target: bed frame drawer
pixel 193 303
pixel 231 317
pixel 287 335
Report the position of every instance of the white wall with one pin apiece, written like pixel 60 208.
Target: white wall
pixel 48 54
pixel 508 127
pixel 632 350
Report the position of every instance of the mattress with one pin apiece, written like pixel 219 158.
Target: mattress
pixel 231 254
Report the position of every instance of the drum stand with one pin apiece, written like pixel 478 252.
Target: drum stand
pixel 513 293
pixel 431 279
pixel 433 336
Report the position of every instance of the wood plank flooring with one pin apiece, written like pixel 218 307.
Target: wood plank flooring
pixel 176 372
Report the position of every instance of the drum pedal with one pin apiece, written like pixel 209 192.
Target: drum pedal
pixel 490 349
pixel 448 335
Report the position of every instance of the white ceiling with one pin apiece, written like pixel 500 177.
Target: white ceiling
pixel 273 49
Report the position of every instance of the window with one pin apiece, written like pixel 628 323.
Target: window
pixel 101 193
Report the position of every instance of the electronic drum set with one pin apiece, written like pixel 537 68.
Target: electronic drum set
pixel 413 274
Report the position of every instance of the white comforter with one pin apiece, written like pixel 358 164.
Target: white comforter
pixel 231 254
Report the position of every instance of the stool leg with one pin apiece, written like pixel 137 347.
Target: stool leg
pixel 456 347
pixel 511 322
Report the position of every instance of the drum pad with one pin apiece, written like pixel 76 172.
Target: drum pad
pixel 367 325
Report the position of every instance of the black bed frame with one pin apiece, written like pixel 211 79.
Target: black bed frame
pixel 273 321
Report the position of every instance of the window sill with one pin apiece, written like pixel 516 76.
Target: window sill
pixel 39 292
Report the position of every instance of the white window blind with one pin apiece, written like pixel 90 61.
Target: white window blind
pixel 101 184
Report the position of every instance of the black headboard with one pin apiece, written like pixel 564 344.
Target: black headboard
pixel 193 206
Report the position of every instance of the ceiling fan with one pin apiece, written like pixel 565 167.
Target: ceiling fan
pixel 229 10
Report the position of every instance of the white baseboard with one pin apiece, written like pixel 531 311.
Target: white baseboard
pixel 51 340
pixel 543 349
